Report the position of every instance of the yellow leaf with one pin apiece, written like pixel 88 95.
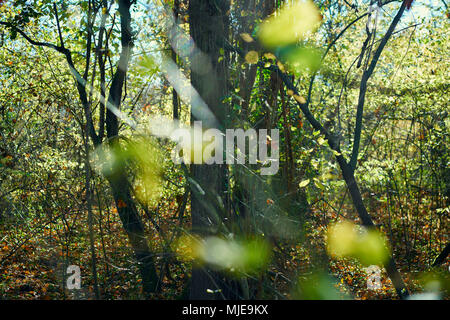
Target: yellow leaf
pixel 304 183
pixel 246 37
pixel 299 99
pixel 321 140
pixel 270 56
pixel 252 57
pixel 336 153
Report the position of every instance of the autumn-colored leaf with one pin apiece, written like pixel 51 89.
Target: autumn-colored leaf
pixel 246 37
pixel 252 57
pixel 299 99
pixel 121 204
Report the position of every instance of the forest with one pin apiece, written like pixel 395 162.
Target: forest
pixel 224 150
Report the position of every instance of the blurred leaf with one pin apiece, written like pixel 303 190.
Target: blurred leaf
pixel 270 56
pixel 301 58
pixel 425 296
pixel 341 239
pixel 290 24
pixel 318 286
pixel 147 65
pixel 249 256
pixel 436 282
pixel 369 246
pixel 187 247
pixel 142 155
pixel 148 161
pixel 319 184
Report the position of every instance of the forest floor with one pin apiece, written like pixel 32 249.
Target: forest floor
pixel 34 258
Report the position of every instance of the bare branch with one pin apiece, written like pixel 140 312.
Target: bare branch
pixel 59 27
pixel 33 42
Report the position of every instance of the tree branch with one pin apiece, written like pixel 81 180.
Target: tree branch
pixel 33 42
pixel 57 24
pixel 80 82
pixel 115 92
pixel 363 86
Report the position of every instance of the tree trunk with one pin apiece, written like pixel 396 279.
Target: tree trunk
pixel 208 26
pixel 134 228
pixel 175 98
pixel 441 258
pixel 355 194
pixel 90 216
pixel 120 185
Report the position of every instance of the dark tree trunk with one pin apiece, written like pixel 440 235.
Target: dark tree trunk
pixel 175 98
pixel 134 228
pixel 120 185
pixel 441 258
pixel 208 27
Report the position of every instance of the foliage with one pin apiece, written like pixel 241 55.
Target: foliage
pixel 292 235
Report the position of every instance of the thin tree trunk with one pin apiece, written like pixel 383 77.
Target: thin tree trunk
pixel 90 217
pixel 355 194
pixel 175 98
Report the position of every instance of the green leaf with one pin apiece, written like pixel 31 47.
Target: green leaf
pixel 321 141
pixel 304 183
